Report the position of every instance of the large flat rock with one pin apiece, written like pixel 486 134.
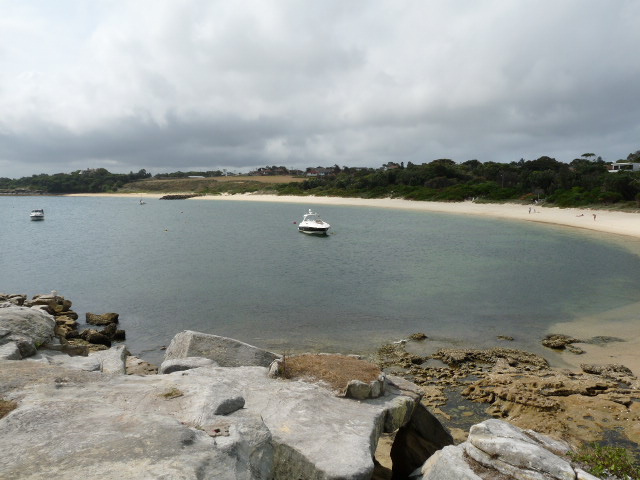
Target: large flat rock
pixel 316 435
pixel 207 422
pixel 77 424
pixel 97 440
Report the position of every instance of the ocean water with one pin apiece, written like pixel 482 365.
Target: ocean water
pixel 241 269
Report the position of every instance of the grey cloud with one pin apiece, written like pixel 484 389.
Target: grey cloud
pixel 168 85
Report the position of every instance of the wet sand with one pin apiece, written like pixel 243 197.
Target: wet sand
pixel 622 323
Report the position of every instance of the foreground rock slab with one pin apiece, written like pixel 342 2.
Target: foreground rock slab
pixel 77 424
pixel 118 444
pixel 206 422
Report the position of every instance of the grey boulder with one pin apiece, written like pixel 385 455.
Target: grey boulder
pixel 28 328
pixel 226 352
pixel 500 449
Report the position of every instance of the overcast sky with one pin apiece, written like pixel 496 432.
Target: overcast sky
pixel 169 85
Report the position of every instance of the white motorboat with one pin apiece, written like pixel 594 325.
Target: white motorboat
pixel 312 224
pixel 37 214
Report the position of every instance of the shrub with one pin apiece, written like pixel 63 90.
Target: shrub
pixel 609 197
pixel 502 194
pixel 602 460
pixel 575 197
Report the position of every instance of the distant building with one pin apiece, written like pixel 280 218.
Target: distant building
pixel 319 172
pixel 623 167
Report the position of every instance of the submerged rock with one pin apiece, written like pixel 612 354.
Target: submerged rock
pixel 178 196
pixel 418 336
pixel 558 341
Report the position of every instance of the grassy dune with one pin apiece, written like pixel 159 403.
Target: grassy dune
pixel 212 185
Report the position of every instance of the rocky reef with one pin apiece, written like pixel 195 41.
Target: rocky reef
pixel 67 336
pixel 597 403
pixel 179 196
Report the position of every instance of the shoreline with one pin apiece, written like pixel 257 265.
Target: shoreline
pixel 606 221
pixel 625 226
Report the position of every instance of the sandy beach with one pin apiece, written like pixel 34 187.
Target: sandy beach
pixel 606 221
pixel 623 322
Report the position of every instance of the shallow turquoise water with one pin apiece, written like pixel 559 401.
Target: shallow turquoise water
pixel 241 269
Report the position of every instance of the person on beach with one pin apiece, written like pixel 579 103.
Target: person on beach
pixel 529 209
pixel 594 217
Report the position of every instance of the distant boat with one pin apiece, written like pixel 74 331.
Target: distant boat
pixel 312 224
pixel 142 202
pixel 37 214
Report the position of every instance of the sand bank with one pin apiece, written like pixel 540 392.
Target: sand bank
pixel 623 322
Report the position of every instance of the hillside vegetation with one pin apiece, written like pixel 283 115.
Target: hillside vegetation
pixel 209 186
pixel 582 182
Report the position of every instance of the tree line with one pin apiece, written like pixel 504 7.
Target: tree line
pixel 583 181
pixel 93 180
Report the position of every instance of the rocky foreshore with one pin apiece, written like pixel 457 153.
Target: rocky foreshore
pixel 600 402
pixel 219 408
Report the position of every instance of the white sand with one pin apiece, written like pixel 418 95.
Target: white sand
pixel 619 223
pixel 606 221
pixel 623 322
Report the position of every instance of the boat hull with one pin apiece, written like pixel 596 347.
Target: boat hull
pixel 35 219
pixel 313 231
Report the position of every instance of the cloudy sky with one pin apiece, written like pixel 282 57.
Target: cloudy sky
pixel 170 85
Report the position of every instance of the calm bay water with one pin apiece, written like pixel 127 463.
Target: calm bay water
pixel 241 269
